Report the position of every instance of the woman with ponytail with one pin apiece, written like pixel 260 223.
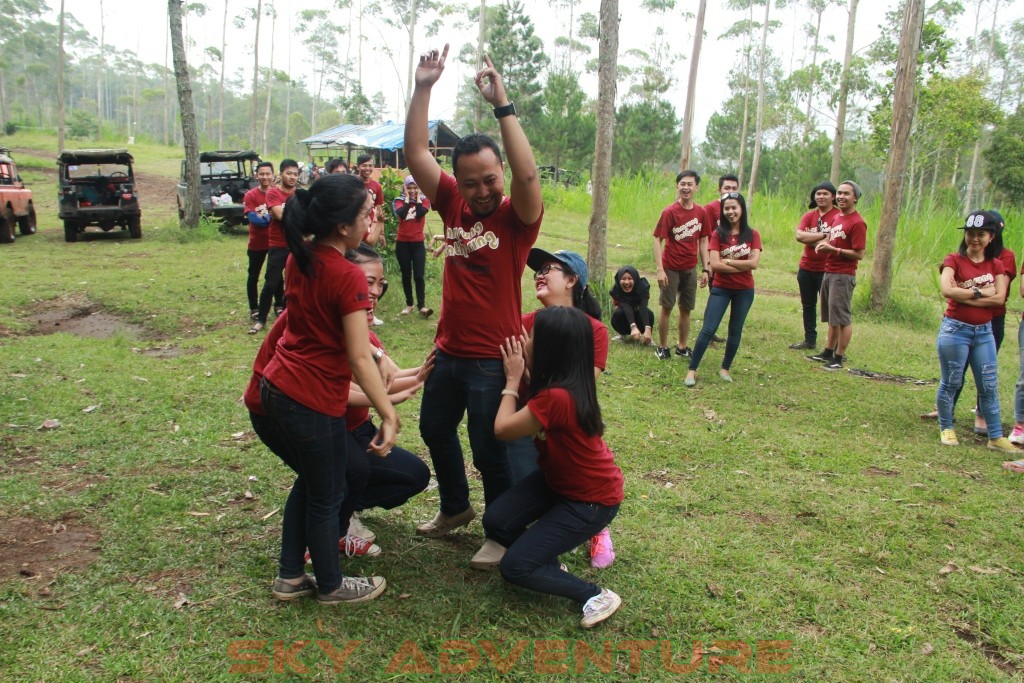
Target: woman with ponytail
pixel 305 385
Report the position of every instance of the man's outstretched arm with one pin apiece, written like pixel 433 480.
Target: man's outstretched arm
pixel 417 153
pixel 525 190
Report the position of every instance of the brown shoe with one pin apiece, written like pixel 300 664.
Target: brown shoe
pixel 489 556
pixel 442 523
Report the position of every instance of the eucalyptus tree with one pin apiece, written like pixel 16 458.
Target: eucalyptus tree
pixel 188 119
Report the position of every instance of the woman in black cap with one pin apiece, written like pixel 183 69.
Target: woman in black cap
pixel 973 281
pixel 632 316
pixel 813 227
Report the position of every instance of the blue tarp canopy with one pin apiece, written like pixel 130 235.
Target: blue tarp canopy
pixel 380 136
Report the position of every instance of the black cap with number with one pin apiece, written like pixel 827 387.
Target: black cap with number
pixel 983 220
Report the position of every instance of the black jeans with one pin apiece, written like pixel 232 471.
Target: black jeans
pixel 620 323
pixel 412 260
pixel 313 445
pixel 810 286
pixel 273 281
pixel 556 525
pixel 389 481
pixel 256 259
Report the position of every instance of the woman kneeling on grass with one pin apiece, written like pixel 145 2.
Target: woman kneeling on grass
pixel 974 283
pixel 735 251
pixel 305 385
pixel 578 488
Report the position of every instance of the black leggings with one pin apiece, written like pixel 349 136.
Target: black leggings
pixel 273 281
pixel 620 322
pixel 810 286
pixel 412 259
pixel 256 259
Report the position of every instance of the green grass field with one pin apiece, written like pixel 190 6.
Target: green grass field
pixel 138 539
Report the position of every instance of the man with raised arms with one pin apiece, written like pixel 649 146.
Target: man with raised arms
pixel 488 237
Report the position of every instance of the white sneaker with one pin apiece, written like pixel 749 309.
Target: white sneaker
pixel 617 337
pixel 1017 436
pixel 599 608
pixel 377 322
pixel 356 528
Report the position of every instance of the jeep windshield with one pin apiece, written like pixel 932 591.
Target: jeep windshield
pixel 94 171
pixel 223 169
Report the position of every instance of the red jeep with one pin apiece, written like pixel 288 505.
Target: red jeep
pixel 15 201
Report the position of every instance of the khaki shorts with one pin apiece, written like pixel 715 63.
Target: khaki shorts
pixel 683 282
pixel 837 299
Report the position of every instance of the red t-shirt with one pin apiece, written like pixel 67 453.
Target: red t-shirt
pixel 713 209
pixel 374 188
pixel 600 338
pixel 482 289
pixel 259 235
pixel 816 222
pixel 410 228
pixel 276 197
pixel 251 398
pixel 575 465
pixel 358 415
pixel 310 364
pixel 681 229
pixel 968 274
pixel 737 251
pixel 847 232
pixel 1009 260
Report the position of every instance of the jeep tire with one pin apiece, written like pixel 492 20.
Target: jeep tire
pixel 135 227
pixel 70 231
pixel 27 223
pixel 7 226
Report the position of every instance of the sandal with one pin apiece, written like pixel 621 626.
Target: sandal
pixel 408 309
pixel 1016 466
pixel 933 415
pixel 426 312
pixel 278 310
pixel 254 314
pixel 256 327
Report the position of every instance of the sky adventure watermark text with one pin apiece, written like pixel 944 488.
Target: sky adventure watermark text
pixel 536 656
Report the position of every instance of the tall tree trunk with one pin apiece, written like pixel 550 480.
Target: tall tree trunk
pixel 255 74
pixel 220 93
pixel 972 179
pixel 814 80
pixel 844 91
pixel 902 121
pixel 60 82
pixel 188 116
pixel 288 96
pixel 747 47
pixel 608 50
pixel 935 176
pixel 956 168
pixel 270 84
pixel 100 74
pixel 477 105
pixel 411 25
pixel 759 125
pixel 691 88
pixel 167 97
pixel 4 116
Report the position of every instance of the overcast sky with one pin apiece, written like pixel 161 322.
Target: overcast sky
pixel 140 26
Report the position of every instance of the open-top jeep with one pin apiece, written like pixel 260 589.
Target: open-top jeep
pixel 15 201
pixel 97 187
pixel 224 177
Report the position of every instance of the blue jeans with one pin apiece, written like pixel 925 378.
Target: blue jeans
pixel 719 300
pixel 455 387
pixel 313 445
pixel 522 458
pixel 393 479
pixel 1018 394
pixel 556 525
pixel 960 345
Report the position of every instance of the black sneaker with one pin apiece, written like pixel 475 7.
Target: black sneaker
pixel 835 364
pixel 662 353
pixel 824 356
pixel 685 353
pixel 800 345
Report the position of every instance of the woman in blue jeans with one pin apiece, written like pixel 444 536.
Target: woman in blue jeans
pixel 974 282
pixel 734 250
pixel 304 390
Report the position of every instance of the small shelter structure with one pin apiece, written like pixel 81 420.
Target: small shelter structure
pixel 383 140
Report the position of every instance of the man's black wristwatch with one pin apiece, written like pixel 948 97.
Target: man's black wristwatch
pixel 508 110
pixel 977 292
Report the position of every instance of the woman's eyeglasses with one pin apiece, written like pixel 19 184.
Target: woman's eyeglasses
pixel 730 195
pixel 547 268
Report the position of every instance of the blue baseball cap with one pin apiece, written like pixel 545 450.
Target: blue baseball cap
pixel 570 259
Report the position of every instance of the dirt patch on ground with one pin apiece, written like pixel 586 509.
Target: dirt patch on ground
pixel 40 550
pixel 76 315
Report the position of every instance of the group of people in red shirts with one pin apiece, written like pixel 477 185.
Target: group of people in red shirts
pixel 320 363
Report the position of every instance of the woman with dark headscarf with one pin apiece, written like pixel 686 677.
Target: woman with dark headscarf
pixel 632 317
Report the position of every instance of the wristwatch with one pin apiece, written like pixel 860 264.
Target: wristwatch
pixel 508 110
pixel 377 355
pixel 977 292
